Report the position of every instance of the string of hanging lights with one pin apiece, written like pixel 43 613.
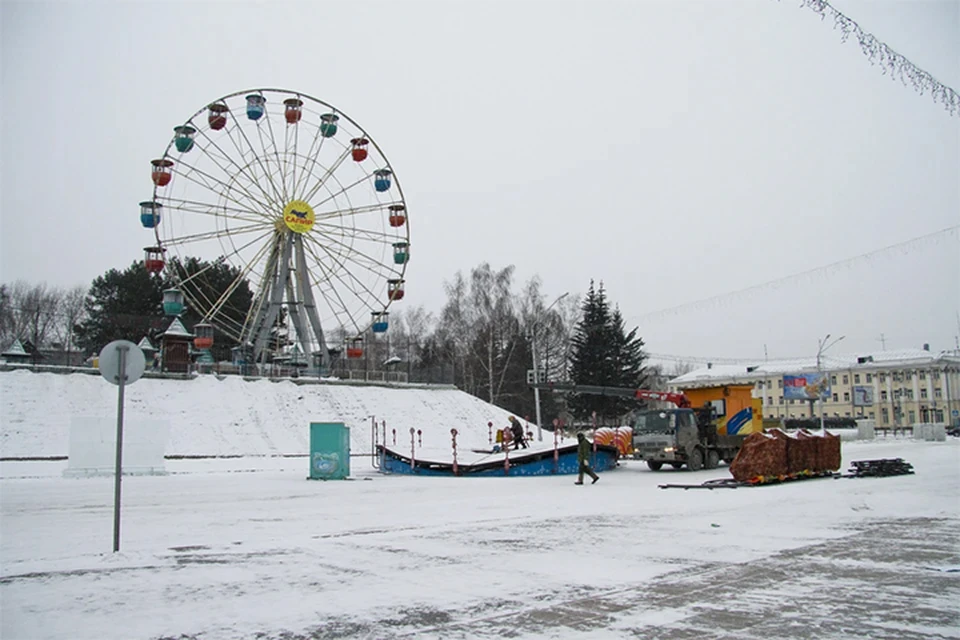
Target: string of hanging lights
pixel 890 62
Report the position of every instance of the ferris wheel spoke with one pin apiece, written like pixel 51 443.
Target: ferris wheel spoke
pixel 282 189
pixel 181 241
pixel 208 181
pixel 370 208
pixel 326 176
pixel 215 210
pixel 333 195
pixel 267 202
pixel 311 156
pixel 292 131
pixel 277 196
pixel 340 261
pixel 242 276
pixel 333 298
pixel 379 237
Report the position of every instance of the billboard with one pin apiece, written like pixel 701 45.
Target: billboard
pixel 806 386
pixel 862 396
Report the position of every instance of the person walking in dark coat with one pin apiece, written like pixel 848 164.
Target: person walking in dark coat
pixel 583 459
pixel 517 430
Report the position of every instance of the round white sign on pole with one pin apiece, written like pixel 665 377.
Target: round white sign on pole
pixel 134 362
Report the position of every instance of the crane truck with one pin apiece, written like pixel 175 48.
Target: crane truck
pixel 680 436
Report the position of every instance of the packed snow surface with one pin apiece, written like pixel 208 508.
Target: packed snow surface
pixel 246 547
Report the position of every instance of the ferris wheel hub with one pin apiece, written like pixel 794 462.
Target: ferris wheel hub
pixel 299 216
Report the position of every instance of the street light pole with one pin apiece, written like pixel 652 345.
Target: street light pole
pixel 822 347
pixel 533 353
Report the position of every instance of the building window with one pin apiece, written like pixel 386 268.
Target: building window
pixel 833 379
pixel 937 393
pixel 923 394
pixel 923 375
pixel 780 383
pixel 883 396
pixel 885 415
pixel 846 379
pixel 769 398
pixel 913 417
pixel 780 399
pixel 909 394
pixel 856 378
pixel 936 375
pixel 847 414
pixel 791 401
pixel 883 377
pixel 846 396
pixel 873 415
pixel 909 376
pixel 803 415
pixel 869 378
pixel 835 398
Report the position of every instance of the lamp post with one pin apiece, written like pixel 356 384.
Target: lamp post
pixel 533 353
pixel 822 347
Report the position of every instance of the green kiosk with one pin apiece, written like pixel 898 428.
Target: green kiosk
pixel 329 451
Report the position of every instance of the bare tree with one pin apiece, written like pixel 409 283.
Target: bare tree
pixel 29 312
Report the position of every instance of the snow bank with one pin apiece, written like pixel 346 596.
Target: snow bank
pixel 233 417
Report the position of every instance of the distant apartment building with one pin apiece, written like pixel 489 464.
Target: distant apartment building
pixel 895 388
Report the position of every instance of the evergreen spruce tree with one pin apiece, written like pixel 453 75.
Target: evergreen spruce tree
pixel 604 354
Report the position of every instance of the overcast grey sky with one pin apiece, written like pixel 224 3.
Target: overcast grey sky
pixel 674 150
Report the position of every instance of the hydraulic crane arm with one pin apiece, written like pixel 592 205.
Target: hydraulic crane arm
pixel 678 399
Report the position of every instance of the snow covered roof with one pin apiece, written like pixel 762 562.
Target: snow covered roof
pixel 146 345
pixel 176 328
pixel 16 349
pixel 750 372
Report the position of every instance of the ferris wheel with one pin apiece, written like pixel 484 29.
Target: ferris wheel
pixel 297 205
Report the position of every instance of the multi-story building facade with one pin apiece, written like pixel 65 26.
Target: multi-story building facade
pixel 894 388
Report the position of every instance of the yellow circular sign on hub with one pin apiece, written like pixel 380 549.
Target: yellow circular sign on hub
pixel 299 216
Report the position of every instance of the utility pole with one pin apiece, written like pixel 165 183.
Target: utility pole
pixel 821 349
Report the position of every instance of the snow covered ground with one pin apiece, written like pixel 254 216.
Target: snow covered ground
pixel 248 548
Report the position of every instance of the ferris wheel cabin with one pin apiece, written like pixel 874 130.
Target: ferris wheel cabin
pixel 255 106
pixel 203 333
pixel 172 302
pixel 401 252
pixel 328 124
pixel 153 259
pixel 183 137
pixel 355 348
pixel 359 149
pixel 217 115
pixel 398 215
pixel 380 321
pixel 150 214
pixel 293 110
pixel 162 172
pixel 395 289
pixel 381 179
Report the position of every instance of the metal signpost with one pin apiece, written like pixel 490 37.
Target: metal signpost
pixel 121 363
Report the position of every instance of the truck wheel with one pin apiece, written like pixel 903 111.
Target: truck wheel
pixel 712 461
pixel 695 463
pixel 654 465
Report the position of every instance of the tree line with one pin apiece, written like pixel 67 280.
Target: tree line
pixel 485 333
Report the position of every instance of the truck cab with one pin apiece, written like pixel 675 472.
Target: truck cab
pixel 665 436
